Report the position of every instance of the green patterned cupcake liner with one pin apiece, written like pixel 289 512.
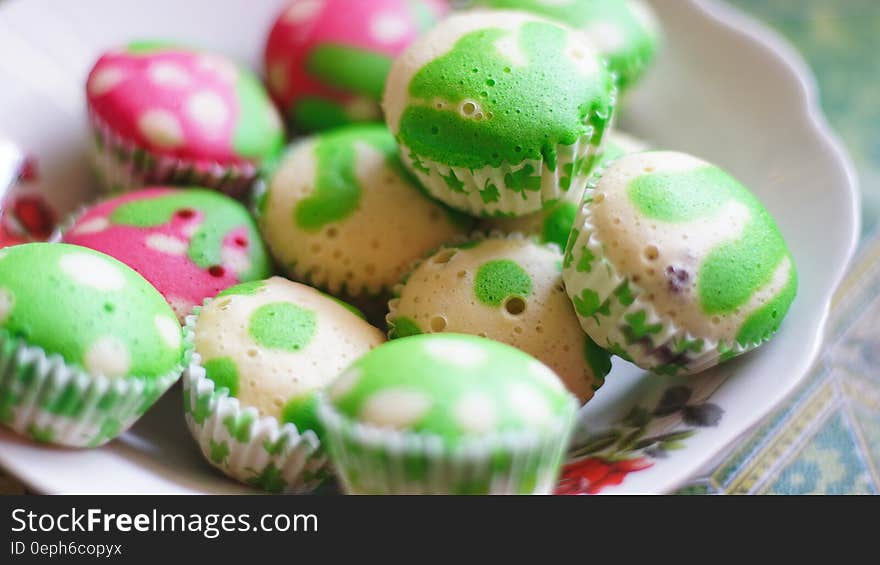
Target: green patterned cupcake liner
pixel 258 451
pixel 122 166
pixel 43 397
pixel 374 460
pixel 510 189
pixel 615 313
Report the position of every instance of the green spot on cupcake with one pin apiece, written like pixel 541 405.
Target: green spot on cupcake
pixel 350 68
pixel 283 326
pixel 498 280
pixel 403 327
pixel 312 114
pixel 558 223
pixel 244 289
pixel 301 412
pixel 765 321
pixel 258 133
pixel 224 373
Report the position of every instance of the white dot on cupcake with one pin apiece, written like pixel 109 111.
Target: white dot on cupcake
pixel 395 408
pixel 345 383
pixel 94 225
pixel 104 80
pixel 606 36
pixel 528 403
pixel 90 270
pixel 388 28
pixel 166 244
pixel 182 307
pixel 460 353
pixel 161 128
pixel 168 75
pixel 7 302
pixel 208 110
pixel 169 330
pixel 302 11
pixel 475 413
pixel 107 356
pixel 235 259
pixel 221 67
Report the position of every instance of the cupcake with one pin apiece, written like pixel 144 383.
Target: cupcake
pixel 327 60
pixel 674 265
pixel 625 31
pixel 497 112
pixel 170 115
pixel 447 414
pixel 508 289
pixel 86 344
pixel 190 244
pixel 341 213
pixel 553 223
pixel 263 349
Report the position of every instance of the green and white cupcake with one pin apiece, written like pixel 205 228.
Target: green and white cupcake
pixel 86 344
pixel 625 31
pixel 553 223
pixel 674 265
pixel 508 289
pixel 262 351
pixel 496 113
pixel 447 414
pixel 340 212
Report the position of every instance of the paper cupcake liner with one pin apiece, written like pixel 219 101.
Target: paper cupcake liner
pixel 43 397
pixel 618 312
pixel 373 460
pixel 121 166
pixel 258 451
pixel 485 192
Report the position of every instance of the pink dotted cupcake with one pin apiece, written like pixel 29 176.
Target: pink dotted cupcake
pixel 168 115
pixel 190 244
pixel 327 60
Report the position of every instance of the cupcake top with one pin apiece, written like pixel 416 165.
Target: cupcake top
pixel 189 243
pixel 327 60
pixel 507 289
pixel 272 344
pixel 183 103
pixel 624 31
pixel 472 92
pixel 553 223
pixel 695 243
pixel 92 310
pixel 454 387
pixel 341 212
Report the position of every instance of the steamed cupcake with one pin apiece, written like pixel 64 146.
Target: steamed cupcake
pixel 508 289
pixel 553 223
pixel 86 344
pixel 676 266
pixel 626 32
pixel 497 112
pixel 262 351
pixel 327 60
pixel 340 212
pixel 447 414
pixel 170 115
pixel 190 244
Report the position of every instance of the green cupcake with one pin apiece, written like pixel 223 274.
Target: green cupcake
pixel 499 113
pixel 86 344
pixel 447 414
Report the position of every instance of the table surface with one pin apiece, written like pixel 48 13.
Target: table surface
pixel 825 439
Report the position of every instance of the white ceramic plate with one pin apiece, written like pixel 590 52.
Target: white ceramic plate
pixel 725 88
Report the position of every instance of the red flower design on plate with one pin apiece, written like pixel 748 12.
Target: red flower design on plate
pixel 592 474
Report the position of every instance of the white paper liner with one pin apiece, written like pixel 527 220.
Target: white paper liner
pixel 373 460
pixel 275 456
pixel 658 352
pixel 122 166
pixel 48 400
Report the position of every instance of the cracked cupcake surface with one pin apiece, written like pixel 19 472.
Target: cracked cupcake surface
pixel 190 244
pixel 507 289
pixel 626 32
pixel 327 60
pixel 676 266
pixel 498 113
pixel 341 212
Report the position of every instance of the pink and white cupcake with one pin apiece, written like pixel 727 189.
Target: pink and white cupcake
pixel 327 60
pixel 190 244
pixel 163 114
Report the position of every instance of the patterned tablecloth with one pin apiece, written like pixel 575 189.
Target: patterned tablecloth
pixel 825 438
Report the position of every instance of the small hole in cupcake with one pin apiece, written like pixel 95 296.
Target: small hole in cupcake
pixel 539 329
pixel 490 82
pixel 506 69
pixel 716 320
pixel 332 232
pixel 252 352
pixel 650 272
pixel 515 305
pixel 649 169
pixel 444 256
pixel 566 348
pixel 370 269
pixel 435 130
pixel 517 330
pixel 216 271
pixel 109 307
pixel 651 252
pixel 315 248
pixel 517 148
pixel 636 278
pixel 483 334
pixel 224 304
pixel 438 324
pixel 186 213
pixel 461 274
pixel 616 221
pixel 598 198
